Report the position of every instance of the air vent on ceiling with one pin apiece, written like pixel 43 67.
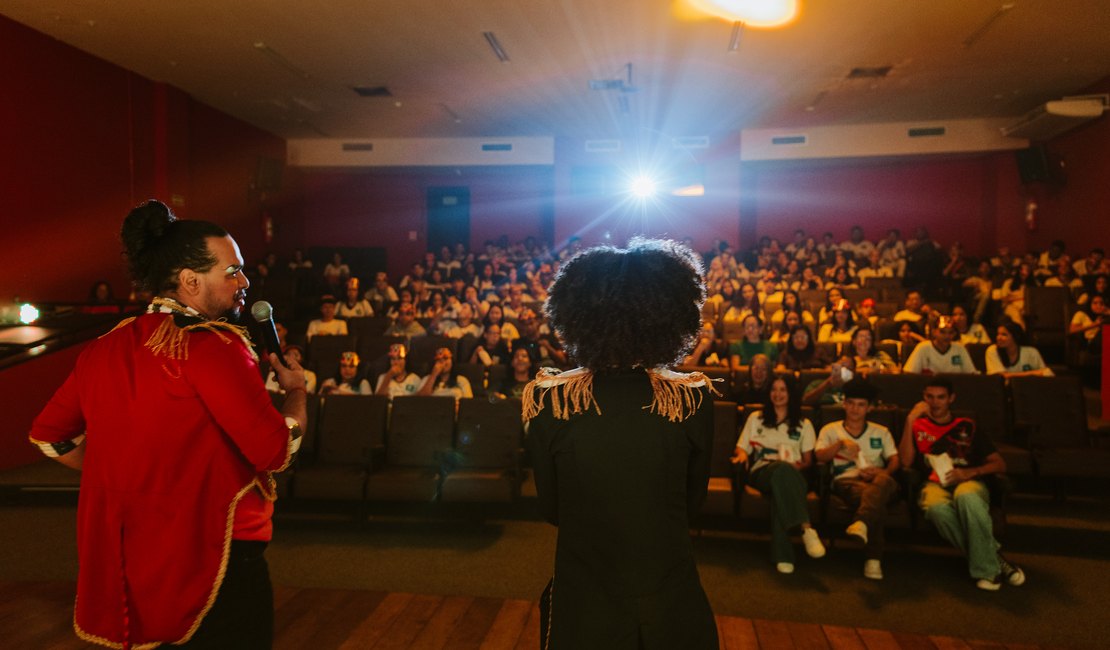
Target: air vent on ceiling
pixel 874 72
pixel 372 91
pixel 603 146
pixel 789 139
pixel 925 131
pixel 500 146
pixel 693 142
pixel 358 146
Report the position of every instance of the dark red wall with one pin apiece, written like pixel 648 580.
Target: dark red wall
pixel 83 141
pixel 30 386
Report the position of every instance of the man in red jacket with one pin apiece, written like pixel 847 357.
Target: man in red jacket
pixel 168 420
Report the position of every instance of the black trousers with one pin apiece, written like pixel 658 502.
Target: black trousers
pixel 242 618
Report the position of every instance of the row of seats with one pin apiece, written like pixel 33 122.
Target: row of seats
pixel 415 449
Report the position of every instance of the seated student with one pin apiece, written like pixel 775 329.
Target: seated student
pixel 830 390
pixel 866 312
pixel 381 295
pixel 832 299
pixel 327 324
pixel 462 324
pixel 353 306
pixel 703 353
pixel 348 381
pixel 444 379
pixel 800 352
pixel 864 458
pixel 1095 285
pixel 967 332
pixel 781 332
pixel 1010 358
pixel 521 371
pixel 492 349
pixel 758 384
pixel 915 309
pixel 867 358
pixel 741 352
pixel 406 324
pixel 841 326
pixel 955 497
pixel 940 353
pixel 292 353
pixel 791 303
pixel 397 380
pixel 777 443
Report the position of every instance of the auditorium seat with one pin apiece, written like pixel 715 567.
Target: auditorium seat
pixel 485 463
pixel 1051 412
pixel 324 351
pixel 721 498
pixel 367 326
pixel 475 373
pixel 417 443
pixel 422 350
pixel 903 389
pixel 351 432
pixel 1046 321
pixel 983 398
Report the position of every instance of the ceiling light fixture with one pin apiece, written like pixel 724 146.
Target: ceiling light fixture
pixel 753 13
pixel 495 45
pixel 279 59
pixel 978 33
pixel 734 41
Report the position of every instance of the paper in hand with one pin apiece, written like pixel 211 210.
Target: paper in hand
pixel 942 465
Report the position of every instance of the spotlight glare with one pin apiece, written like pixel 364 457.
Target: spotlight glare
pixel 28 314
pixel 643 187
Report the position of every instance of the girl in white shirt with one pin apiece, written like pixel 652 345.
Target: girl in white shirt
pixel 777 443
pixel 1008 357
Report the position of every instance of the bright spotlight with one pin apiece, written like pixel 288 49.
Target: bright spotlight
pixel 643 187
pixel 28 314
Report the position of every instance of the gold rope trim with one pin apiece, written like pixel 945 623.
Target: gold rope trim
pixel 676 396
pixel 123 323
pixel 172 342
pixel 572 392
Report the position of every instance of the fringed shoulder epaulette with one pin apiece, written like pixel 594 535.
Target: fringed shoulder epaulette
pixel 572 392
pixel 675 396
pixel 171 341
pixel 123 323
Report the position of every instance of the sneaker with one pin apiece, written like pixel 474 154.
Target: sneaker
pixel 858 529
pixel 1013 574
pixel 814 547
pixel 990 584
pixel 873 569
pixel 785 567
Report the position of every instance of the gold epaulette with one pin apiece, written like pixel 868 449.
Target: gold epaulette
pixel 123 323
pixel 572 392
pixel 675 396
pixel 172 342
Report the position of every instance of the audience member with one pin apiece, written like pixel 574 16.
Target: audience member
pixel 704 353
pixel 915 309
pixel 866 357
pixel 1094 263
pixel 830 390
pixel 492 349
pixel 327 324
pixel 444 379
pixel 336 273
pixel 397 380
pixel 521 371
pixel 1010 357
pixel 864 458
pixel 406 324
pixel 841 326
pixel 892 253
pixel 758 384
pixel 741 352
pixel 777 444
pixel 800 353
pixel 291 353
pixel 495 315
pixel 954 497
pixel 381 295
pixel 544 348
pixel 353 306
pixel 1012 293
pixel 940 353
pixel 349 380
pixel 968 332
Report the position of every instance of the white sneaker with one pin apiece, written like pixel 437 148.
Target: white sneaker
pixel 814 547
pixel 858 529
pixel 873 569
pixel 785 567
pixel 1013 574
pixel 989 584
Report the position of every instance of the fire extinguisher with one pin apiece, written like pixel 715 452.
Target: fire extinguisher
pixel 1031 214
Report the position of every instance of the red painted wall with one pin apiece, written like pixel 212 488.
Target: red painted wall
pixel 381 207
pixel 83 141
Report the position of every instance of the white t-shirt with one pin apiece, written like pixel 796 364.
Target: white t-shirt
pixel 1083 320
pixel 273 386
pixel 1028 359
pixel 345 388
pixel 461 390
pixel 764 445
pixel 360 309
pixel 407 386
pixel 975 334
pixel 926 357
pixel 333 327
pixel 876 448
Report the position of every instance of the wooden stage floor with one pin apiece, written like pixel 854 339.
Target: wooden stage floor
pixel 38 615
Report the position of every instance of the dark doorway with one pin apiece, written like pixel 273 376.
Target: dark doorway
pixel 448 217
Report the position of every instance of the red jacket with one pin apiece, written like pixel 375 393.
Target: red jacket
pixel 179 430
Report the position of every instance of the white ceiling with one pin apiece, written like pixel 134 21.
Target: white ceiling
pixel 431 54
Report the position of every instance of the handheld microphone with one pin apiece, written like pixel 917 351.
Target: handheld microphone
pixel 263 314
